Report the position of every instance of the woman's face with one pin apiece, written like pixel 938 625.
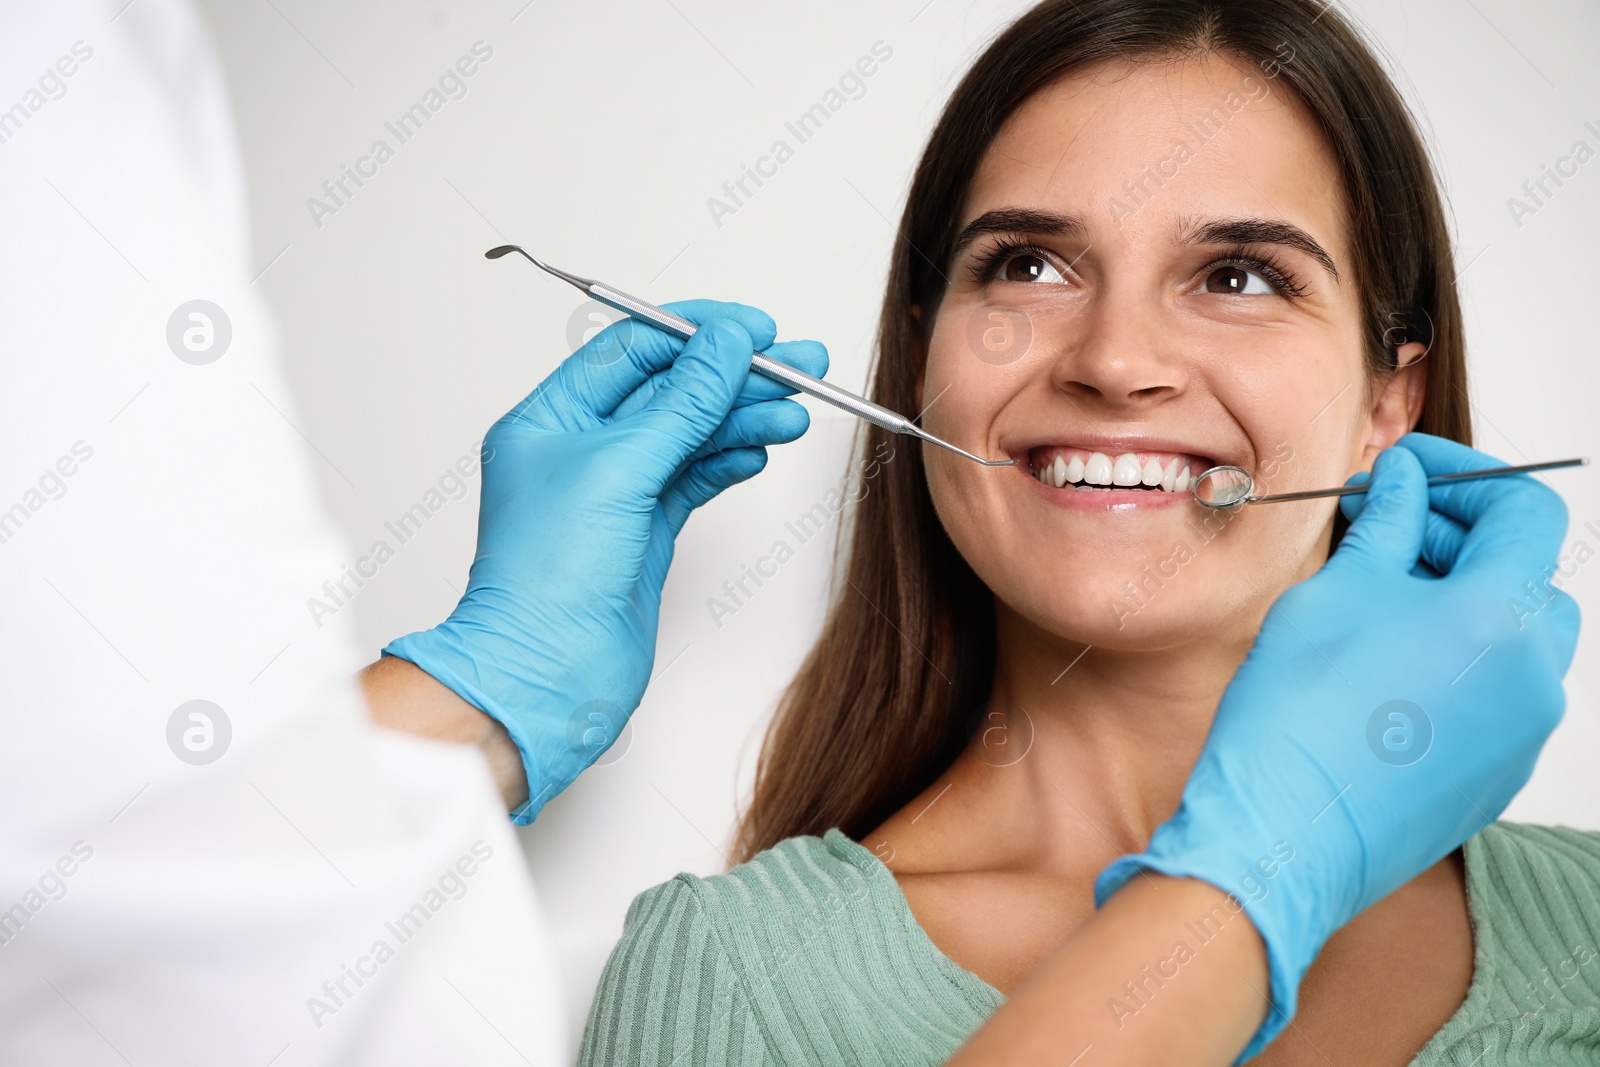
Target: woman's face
pixel 1155 278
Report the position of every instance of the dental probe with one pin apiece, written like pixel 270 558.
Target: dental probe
pixel 827 392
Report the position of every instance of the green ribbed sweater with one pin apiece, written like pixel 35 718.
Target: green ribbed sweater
pixel 809 954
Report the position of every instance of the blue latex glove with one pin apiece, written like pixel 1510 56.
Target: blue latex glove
pixel 586 483
pixel 1314 795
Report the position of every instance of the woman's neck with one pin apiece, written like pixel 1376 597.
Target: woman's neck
pixel 1111 736
pixel 1077 757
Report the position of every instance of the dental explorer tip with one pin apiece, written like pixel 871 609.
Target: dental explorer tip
pixel 916 431
pixel 571 279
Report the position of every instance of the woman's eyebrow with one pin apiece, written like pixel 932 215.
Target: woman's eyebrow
pixel 1018 220
pixel 1259 232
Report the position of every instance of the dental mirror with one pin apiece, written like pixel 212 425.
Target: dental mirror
pixel 1222 488
pixel 1225 488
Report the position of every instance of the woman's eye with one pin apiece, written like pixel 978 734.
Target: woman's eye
pixel 1236 281
pixel 1029 267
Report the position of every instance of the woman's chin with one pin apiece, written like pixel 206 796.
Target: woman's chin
pixel 1125 615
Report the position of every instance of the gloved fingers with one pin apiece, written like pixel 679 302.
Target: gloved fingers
pixel 1441 546
pixel 1351 505
pixel 1519 525
pixel 1441 543
pixel 771 422
pixel 590 384
pixel 809 356
pixel 1514 524
pixel 806 355
pixel 1391 525
pixel 1470 503
pixel 1440 455
pixel 705 478
pixel 757 323
pixel 587 385
pixel 1423 569
pixel 1564 615
pixel 693 398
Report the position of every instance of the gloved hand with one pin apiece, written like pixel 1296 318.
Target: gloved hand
pixel 586 483
pixel 1317 792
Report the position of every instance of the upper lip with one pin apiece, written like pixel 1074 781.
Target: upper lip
pixel 1113 446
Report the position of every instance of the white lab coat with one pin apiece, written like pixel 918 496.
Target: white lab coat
pixel 160 533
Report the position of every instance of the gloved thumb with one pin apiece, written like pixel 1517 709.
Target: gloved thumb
pixel 1352 505
pixel 1393 521
pixel 695 394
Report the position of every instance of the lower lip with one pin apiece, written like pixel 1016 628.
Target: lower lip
pixel 1113 499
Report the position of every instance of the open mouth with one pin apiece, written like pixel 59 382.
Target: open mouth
pixel 1064 467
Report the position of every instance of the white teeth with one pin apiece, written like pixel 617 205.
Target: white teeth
pixel 1169 477
pixel 1100 472
pixel 1127 470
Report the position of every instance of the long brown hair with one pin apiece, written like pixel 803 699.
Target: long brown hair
pixel 884 701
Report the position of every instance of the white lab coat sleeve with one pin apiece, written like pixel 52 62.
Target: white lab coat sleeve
pixel 323 892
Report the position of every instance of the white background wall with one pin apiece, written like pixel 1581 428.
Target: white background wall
pixel 596 133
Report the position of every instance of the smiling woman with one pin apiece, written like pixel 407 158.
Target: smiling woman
pixel 1263 295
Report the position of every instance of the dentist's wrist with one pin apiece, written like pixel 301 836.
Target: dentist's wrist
pixel 1275 883
pixel 494 667
pixel 402 696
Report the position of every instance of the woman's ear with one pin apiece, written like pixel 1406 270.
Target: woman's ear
pixel 1398 406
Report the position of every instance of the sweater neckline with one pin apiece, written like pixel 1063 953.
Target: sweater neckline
pixel 892 897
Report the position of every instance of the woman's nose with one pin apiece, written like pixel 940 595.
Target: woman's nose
pixel 1117 355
